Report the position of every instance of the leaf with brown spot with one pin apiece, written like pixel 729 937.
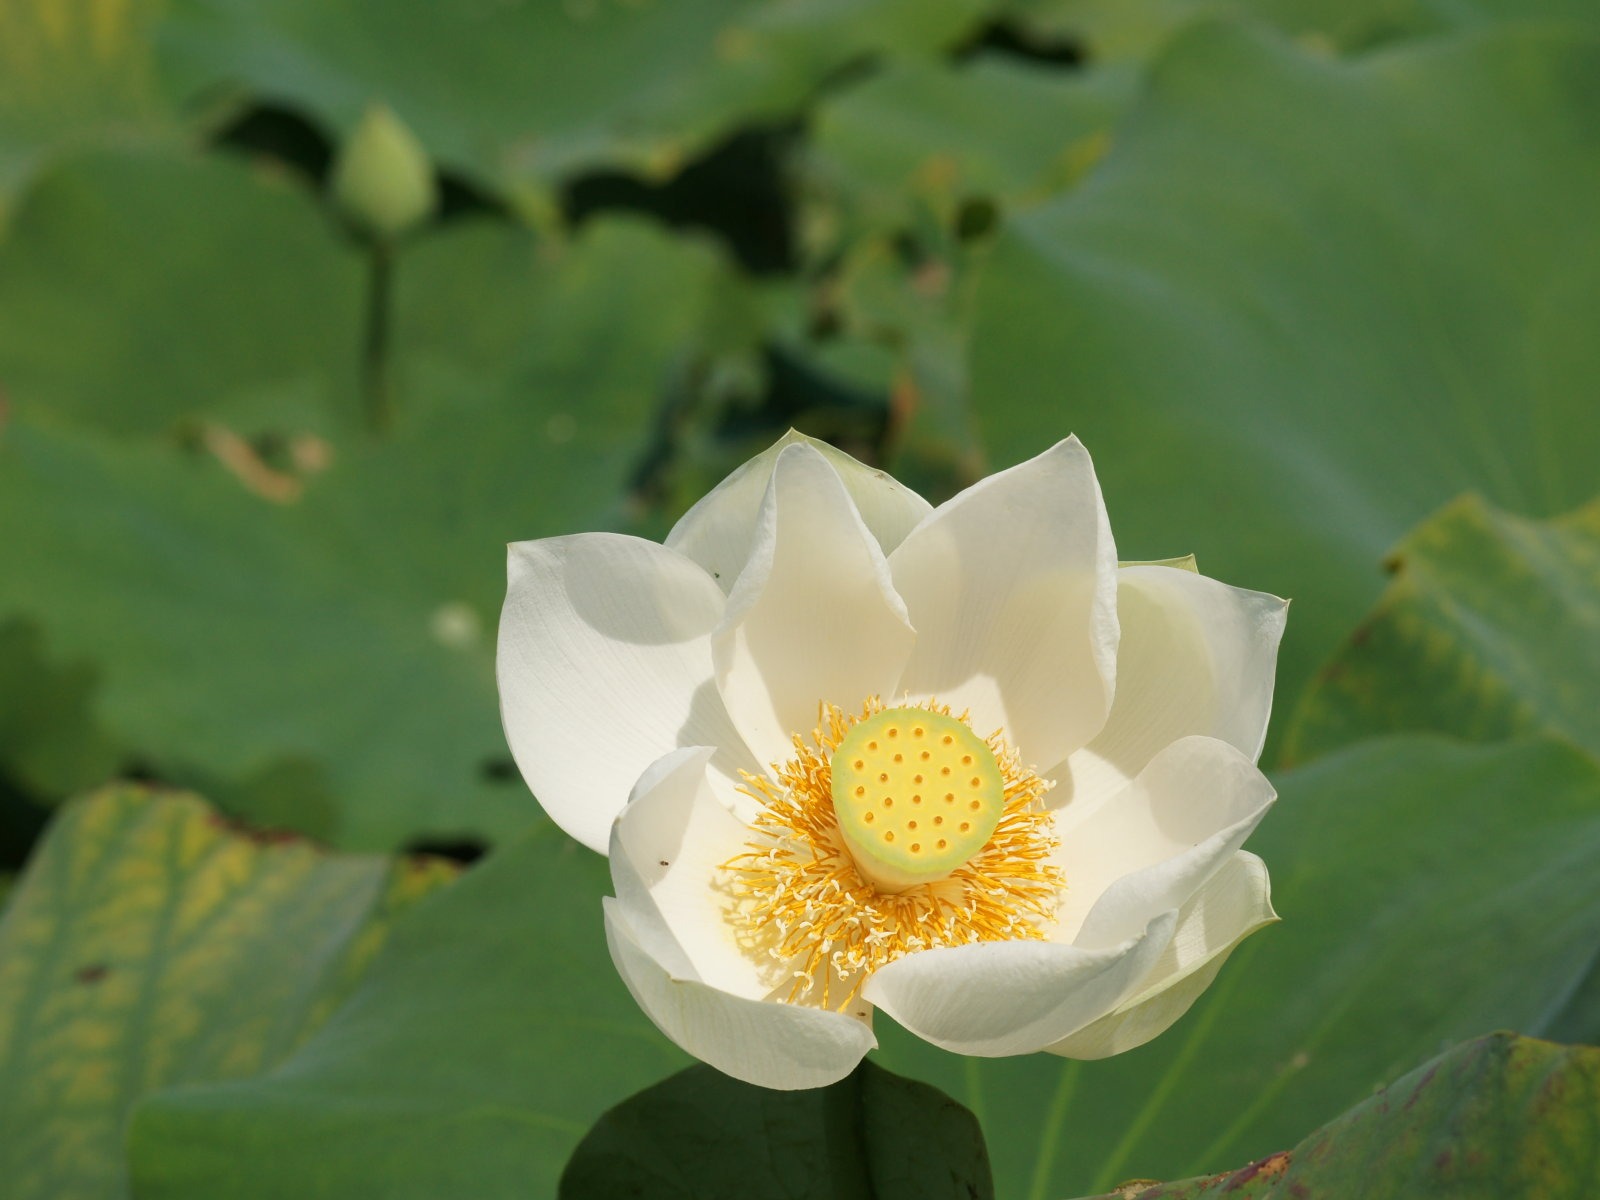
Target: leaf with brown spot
pixel 1499 1118
pixel 149 946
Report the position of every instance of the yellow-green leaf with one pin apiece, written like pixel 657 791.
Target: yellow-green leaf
pixel 151 944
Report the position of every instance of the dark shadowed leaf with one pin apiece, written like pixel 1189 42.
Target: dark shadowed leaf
pixel 703 1136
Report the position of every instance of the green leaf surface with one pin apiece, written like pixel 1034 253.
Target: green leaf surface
pixel 1303 303
pixel 555 88
pixel 1429 891
pixel 75 72
pixel 1118 29
pixel 921 138
pixel 703 1136
pixel 316 648
pixel 1490 628
pixel 150 945
pixel 140 291
pixel 488 1035
pixel 1499 1118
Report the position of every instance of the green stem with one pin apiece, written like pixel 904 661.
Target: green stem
pixel 375 353
pixel 1050 1131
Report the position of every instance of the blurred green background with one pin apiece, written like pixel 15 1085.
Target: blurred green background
pixel 1317 283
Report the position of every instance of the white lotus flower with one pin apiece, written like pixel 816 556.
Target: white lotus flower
pixel 849 752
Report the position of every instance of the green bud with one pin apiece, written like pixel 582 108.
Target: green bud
pixel 382 180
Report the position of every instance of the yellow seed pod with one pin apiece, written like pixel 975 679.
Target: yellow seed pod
pixel 383 181
pixel 916 794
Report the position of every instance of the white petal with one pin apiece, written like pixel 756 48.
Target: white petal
pixel 764 1042
pixel 1197 656
pixel 813 617
pixel 719 531
pixel 666 848
pixel 1233 904
pixel 998 998
pixel 1011 587
pixel 1153 845
pixel 604 665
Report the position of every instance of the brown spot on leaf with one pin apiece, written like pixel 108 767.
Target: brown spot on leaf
pixel 93 973
pixel 245 465
pixel 1270 1167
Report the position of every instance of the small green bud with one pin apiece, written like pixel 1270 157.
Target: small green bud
pixel 382 180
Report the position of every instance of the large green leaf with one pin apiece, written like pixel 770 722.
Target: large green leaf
pixel 1490 628
pixel 554 88
pixel 317 648
pixel 74 72
pixel 1429 891
pixel 920 140
pixel 139 291
pixel 1137 28
pixel 149 945
pixel 1502 1118
pixel 1303 303
pixel 703 1136
pixel 488 1035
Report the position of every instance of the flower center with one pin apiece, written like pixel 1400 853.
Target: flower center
pixel 917 794
pixel 820 898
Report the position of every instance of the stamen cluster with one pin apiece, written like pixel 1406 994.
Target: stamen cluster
pixel 797 902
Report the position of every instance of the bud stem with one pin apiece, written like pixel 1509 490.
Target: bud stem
pixel 375 353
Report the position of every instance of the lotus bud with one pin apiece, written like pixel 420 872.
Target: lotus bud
pixel 383 181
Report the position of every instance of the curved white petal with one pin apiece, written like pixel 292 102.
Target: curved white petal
pixel 764 1042
pixel 666 849
pixel 999 998
pixel 604 665
pixel 813 617
pixel 1197 657
pixel 1153 845
pixel 1011 587
pixel 720 530
pixel 1232 905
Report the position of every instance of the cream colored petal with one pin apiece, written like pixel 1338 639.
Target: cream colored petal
pixel 1011 587
pixel 764 1042
pixel 720 531
pixel 999 998
pixel 1232 905
pixel 666 849
pixel 1197 657
pixel 813 617
pixel 1151 847
pixel 604 665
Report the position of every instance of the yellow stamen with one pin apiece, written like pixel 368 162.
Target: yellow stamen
pixel 798 899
